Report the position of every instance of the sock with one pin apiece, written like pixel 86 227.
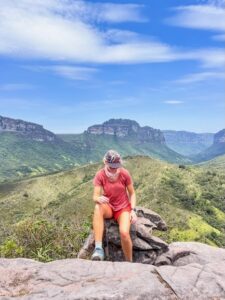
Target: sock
pixel 98 244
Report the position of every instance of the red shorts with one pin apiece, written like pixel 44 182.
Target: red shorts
pixel 117 213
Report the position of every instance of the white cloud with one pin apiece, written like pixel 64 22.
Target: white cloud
pixel 212 58
pixel 208 17
pixel 8 87
pixel 208 57
pixel 19 104
pixel 173 102
pixel 67 31
pixel 219 37
pixel 218 3
pixel 53 30
pixel 115 13
pixel 67 71
pixel 203 76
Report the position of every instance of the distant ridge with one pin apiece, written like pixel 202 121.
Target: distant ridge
pixel 31 130
pixel 188 143
pixel 27 149
pixel 123 128
pixel 217 148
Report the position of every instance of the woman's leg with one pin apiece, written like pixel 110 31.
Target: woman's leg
pixel 101 212
pixel 124 228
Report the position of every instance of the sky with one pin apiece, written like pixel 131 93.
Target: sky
pixel 70 64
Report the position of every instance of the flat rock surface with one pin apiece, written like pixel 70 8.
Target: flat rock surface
pixel 72 279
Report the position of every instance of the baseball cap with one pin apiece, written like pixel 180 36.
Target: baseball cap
pixel 113 159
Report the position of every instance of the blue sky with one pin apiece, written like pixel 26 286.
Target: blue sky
pixel 69 64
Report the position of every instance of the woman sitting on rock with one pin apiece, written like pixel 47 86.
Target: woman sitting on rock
pixel 114 196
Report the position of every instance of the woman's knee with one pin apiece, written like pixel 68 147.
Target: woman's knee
pixel 124 235
pixel 102 210
pixel 98 209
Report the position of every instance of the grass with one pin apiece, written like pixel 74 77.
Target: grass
pixel 189 199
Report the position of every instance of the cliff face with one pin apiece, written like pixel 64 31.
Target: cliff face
pixel 122 128
pixel 173 136
pixel 31 130
pixel 188 143
pixel 219 137
pixel 216 149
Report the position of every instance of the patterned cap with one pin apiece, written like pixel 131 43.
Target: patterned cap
pixel 113 159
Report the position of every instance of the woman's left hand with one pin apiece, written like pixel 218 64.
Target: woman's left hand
pixel 133 217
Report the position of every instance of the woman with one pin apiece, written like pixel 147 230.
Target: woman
pixel 114 196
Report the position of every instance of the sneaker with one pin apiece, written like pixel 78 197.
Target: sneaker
pixel 98 254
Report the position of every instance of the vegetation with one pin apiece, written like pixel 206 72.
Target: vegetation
pixel 48 217
pixel 22 157
pixel 213 151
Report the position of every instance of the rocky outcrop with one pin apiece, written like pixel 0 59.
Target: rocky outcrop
pixel 122 128
pixel 188 143
pixel 173 136
pixel 34 131
pixel 199 276
pixel 219 137
pixel 146 247
pixel 217 148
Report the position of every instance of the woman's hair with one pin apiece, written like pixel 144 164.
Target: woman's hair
pixel 113 159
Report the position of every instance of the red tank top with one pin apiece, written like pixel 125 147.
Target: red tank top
pixel 115 191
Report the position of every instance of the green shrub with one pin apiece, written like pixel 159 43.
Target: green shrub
pixel 10 248
pixel 44 240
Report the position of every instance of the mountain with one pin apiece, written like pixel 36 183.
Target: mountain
pixel 30 130
pixel 127 137
pixel 187 143
pixel 217 148
pixel 215 164
pixel 48 217
pixel 125 128
pixel 29 149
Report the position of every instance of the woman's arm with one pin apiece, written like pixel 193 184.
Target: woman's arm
pixel 132 195
pixel 97 193
pixel 98 197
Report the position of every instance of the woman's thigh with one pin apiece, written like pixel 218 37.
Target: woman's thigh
pixel 124 221
pixel 107 211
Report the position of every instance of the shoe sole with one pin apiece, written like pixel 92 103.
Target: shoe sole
pixel 96 258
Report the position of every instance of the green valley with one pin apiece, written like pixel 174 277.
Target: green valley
pixel 28 150
pixel 48 217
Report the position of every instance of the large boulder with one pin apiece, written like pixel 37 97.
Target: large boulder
pixel 199 278
pixel 146 247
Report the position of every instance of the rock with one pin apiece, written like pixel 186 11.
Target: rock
pixel 125 128
pixel 34 131
pixel 198 253
pixel 88 247
pixel 146 247
pixel 72 279
pixel 153 217
pixel 171 256
pixel 219 137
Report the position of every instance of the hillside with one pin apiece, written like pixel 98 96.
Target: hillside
pixel 215 164
pixel 22 156
pixel 48 217
pixel 94 146
pixel 127 137
pixel 216 149
pixel 27 149
pixel 187 143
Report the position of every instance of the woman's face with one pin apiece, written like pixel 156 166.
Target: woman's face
pixel 112 170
